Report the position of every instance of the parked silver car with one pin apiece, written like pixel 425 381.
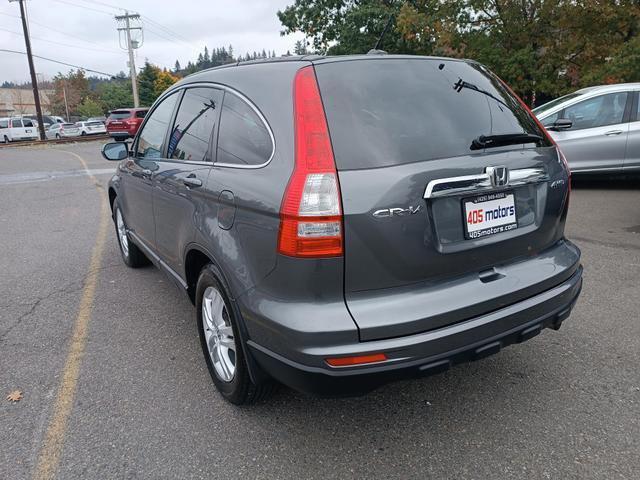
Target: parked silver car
pixel 597 128
pixel 62 130
pixel 91 128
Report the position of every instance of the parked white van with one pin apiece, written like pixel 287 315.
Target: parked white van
pixel 16 128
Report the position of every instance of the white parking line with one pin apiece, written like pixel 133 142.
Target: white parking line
pixel 32 177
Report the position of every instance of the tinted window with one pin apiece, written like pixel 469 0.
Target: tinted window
pixel 396 111
pixel 597 111
pixel 243 138
pixel 93 124
pixel 550 120
pixel 554 103
pixel 4 123
pixel 194 124
pixel 27 123
pixel 141 113
pixel 16 123
pixel 119 114
pixel 154 130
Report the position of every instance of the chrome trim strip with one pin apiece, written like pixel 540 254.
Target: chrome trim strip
pixel 242 97
pixel 161 262
pixel 445 187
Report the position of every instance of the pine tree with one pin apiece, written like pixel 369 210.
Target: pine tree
pixel 177 68
pixel 205 57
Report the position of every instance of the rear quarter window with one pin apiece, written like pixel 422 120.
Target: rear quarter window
pixel 4 123
pixel 396 111
pixel 243 137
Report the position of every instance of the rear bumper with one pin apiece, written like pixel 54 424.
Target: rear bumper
pixel 120 134
pixel 427 353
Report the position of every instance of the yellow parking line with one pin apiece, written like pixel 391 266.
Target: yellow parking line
pixel 49 455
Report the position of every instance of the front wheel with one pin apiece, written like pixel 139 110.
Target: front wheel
pixel 6 139
pixel 131 254
pixel 221 344
pixel 83 133
pixel 58 137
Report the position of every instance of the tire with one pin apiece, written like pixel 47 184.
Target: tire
pixel 58 137
pixel 6 139
pixel 225 359
pixel 132 256
pixel 83 133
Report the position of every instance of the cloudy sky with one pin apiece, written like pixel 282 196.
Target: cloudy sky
pixel 83 32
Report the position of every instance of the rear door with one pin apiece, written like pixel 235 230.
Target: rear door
pixel 403 132
pixel 598 137
pixel 182 175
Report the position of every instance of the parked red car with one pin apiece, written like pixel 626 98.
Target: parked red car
pixel 125 122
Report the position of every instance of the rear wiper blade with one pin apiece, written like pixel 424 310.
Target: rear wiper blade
pixel 491 141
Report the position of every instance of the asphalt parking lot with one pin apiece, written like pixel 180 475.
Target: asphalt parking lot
pixel 114 384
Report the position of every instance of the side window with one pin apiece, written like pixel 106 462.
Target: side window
pixel 141 113
pixel 16 123
pixel 154 130
pixel 195 123
pixel 598 111
pixel 243 138
pixel 27 122
pixel 550 120
pixel 4 123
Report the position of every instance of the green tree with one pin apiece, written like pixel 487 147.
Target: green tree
pixel 74 86
pixel 146 83
pixel 115 94
pixel 90 108
pixel 540 47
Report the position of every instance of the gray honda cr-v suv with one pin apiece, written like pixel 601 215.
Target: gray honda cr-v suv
pixel 342 222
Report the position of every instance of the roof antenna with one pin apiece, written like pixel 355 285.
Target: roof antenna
pixel 375 50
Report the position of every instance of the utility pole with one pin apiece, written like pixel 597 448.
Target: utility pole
pixel 131 45
pixel 32 70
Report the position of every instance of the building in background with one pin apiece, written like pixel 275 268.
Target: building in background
pixel 19 101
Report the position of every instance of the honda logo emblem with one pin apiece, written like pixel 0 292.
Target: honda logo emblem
pixel 499 176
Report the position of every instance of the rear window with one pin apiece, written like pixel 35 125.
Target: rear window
pixel 92 124
pixel 120 114
pixel 397 111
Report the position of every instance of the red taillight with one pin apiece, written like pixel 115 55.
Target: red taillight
pixel 357 360
pixel 310 214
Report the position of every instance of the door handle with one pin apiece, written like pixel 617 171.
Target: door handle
pixel 613 132
pixel 192 181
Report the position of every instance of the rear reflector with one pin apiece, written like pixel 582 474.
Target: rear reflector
pixel 310 214
pixel 358 360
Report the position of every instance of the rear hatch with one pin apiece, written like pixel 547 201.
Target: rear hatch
pixel 440 224
pixel 118 120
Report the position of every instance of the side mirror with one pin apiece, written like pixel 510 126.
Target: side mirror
pixel 115 151
pixel 561 124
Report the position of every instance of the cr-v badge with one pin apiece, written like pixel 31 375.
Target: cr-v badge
pixel 396 211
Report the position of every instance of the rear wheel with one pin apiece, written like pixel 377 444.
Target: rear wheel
pixel 131 254
pixel 58 137
pixel 6 139
pixel 83 133
pixel 221 343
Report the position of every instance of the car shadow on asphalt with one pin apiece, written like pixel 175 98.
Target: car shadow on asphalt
pixel 605 182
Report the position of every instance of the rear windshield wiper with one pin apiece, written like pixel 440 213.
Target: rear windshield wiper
pixel 491 141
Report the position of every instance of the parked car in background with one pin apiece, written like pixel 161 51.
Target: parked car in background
pixel 343 222
pixel 91 128
pixel 16 128
pixel 597 128
pixel 62 130
pixel 47 120
pixel 97 119
pixel 125 122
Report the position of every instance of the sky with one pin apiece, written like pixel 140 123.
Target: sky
pixel 83 32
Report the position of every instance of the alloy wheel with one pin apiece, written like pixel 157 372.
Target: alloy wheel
pixel 218 334
pixel 122 233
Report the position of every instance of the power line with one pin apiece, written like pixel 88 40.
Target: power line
pixel 84 6
pixel 168 31
pixel 60 32
pixel 59 62
pixel 58 43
